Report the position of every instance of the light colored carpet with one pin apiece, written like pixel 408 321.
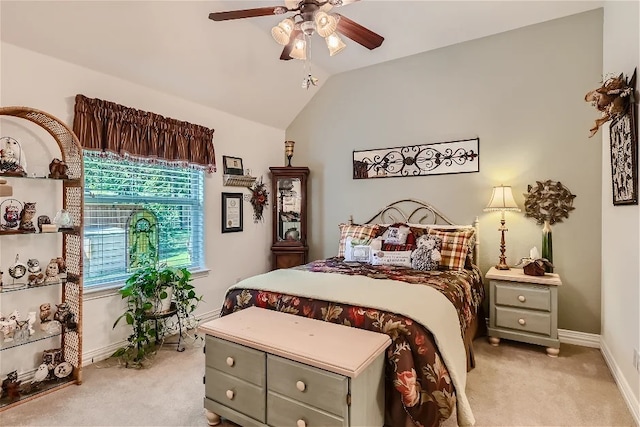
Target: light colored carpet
pixel 512 385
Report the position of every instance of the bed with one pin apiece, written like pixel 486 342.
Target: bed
pixel 430 316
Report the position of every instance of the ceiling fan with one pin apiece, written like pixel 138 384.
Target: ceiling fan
pixel 310 16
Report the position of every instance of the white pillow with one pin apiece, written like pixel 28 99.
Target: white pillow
pixel 356 253
pixel 396 235
pixel 397 258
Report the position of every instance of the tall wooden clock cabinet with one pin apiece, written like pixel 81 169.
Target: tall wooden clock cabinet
pixel 289 193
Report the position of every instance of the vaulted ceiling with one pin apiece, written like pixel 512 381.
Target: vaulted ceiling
pixel 234 65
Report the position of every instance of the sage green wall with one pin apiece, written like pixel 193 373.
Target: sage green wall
pixel 522 93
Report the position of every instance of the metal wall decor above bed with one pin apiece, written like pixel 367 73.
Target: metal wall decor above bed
pixel 418 160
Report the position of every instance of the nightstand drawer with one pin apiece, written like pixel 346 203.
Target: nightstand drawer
pixel 233 359
pixel 523 320
pixel 282 411
pixel 237 394
pixel 322 389
pixel 533 297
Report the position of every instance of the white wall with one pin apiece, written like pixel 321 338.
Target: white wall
pixel 620 224
pixel 522 93
pixel 38 81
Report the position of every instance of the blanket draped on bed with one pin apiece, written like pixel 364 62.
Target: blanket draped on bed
pixel 423 304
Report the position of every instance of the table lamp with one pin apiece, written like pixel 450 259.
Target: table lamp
pixel 502 200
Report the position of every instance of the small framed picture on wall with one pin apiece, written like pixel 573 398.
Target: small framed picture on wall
pixel 232 165
pixel 231 212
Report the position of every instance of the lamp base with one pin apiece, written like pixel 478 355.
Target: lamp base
pixel 502 266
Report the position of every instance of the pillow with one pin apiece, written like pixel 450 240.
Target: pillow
pixel 354 252
pixel 426 256
pixel 455 247
pixel 396 258
pixel 396 235
pixel 363 233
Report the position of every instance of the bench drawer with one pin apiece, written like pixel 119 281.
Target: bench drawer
pixel 236 394
pixel 523 320
pixel 283 411
pixel 233 359
pixel 321 389
pixel 523 296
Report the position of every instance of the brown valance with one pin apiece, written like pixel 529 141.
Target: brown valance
pixel 109 127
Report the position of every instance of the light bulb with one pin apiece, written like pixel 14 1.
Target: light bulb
pixel 282 32
pixel 335 44
pixel 325 24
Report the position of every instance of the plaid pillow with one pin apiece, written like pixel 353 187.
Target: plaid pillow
pixel 455 247
pixel 362 233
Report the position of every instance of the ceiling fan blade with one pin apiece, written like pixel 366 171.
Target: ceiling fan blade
pixel 289 46
pixel 358 33
pixel 245 13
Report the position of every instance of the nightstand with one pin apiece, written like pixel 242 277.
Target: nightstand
pixel 524 308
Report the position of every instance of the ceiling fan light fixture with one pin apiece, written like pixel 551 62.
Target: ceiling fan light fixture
pixel 308 27
pixel 335 44
pixel 325 24
pixel 299 50
pixel 282 32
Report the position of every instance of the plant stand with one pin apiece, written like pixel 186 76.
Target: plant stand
pixel 173 311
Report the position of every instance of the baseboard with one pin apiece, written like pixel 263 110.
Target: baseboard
pixel 584 339
pixel 103 353
pixel 623 385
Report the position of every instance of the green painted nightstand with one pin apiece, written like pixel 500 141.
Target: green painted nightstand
pixel 524 308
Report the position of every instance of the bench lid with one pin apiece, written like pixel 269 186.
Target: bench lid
pixel 337 348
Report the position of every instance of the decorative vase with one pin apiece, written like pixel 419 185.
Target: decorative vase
pixel 547 245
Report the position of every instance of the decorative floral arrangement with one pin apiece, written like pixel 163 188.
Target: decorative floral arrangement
pixel 611 99
pixel 259 199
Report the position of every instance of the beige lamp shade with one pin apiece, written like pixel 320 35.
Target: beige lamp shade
pixel 502 200
pixel 335 44
pixel 282 32
pixel 325 24
pixel 5 189
pixel 299 50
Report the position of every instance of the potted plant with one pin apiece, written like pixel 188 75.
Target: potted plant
pixel 144 291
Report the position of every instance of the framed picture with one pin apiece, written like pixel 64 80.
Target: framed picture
pixel 231 212
pixel 232 165
pixel 624 165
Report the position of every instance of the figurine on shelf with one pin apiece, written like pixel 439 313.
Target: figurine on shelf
pixel 41 374
pixel 52 358
pixel 22 331
pixel 51 273
pixel 45 312
pixel 43 219
pixel 63 220
pixel 62 265
pixel 58 169
pixel 8 328
pixel 36 276
pixel 12 159
pixel 11 386
pixel 66 318
pixel 26 217
pixel 31 319
pixel 18 269
pixel 11 215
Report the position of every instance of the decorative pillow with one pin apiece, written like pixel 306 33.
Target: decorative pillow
pixel 396 235
pixel 455 247
pixel 353 251
pixel 426 256
pixel 362 233
pixel 396 258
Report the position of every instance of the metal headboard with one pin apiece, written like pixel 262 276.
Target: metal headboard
pixel 418 212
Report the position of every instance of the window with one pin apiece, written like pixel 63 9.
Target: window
pixel 116 189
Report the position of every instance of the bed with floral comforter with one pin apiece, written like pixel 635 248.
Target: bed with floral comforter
pixel 419 387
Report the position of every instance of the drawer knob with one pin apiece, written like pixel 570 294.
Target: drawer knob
pixel 521 298
pixel 230 394
pixel 301 423
pixel 301 386
pixel 230 361
pixel 522 321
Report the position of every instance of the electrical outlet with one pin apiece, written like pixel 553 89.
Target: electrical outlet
pixel 636 360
